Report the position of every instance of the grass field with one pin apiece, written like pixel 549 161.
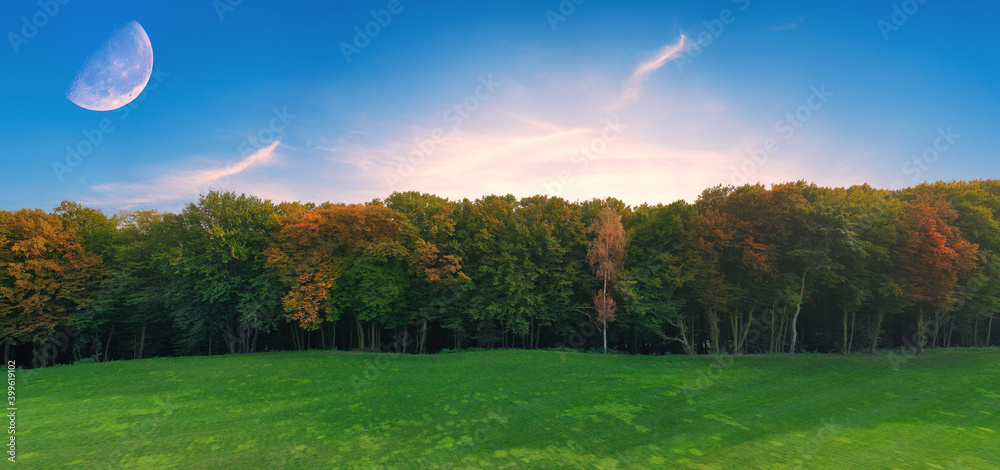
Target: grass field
pixel 515 409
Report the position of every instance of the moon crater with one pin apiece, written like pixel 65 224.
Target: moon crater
pixel 115 74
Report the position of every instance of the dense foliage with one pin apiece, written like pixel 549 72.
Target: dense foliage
pixel 793 267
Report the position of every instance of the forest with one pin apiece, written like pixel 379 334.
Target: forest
pixel 794 267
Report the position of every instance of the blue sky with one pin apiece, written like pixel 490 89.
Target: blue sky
pixel 645 101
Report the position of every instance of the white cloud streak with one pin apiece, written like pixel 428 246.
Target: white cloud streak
pixel 670 52
pixel 530 142
pixel 787 26
pixel 181 186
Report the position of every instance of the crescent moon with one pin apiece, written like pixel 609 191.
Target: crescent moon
pixel 115 74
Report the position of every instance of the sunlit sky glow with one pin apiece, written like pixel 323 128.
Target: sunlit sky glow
pixel 645 101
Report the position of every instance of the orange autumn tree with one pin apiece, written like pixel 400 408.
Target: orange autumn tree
pixel 45 277
pixel 935 256
pixel 304 261
pixel 606 254
pixel 310 248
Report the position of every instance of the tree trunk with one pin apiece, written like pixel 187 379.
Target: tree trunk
pixel 746 332
pixel 604 330
pixel 6 352
pixel 778 335
pixel 713 329
pixel 422 347
pixel 108 347
pixel 795 316
pixel 773 314
pixel 920 338
pixel 604 322
pixel 878 332
pixel 230 338
pixel 361 333
pixel 989 329
pixel 975 332
pixel 734 326
pixel 937 327
pixel 740 328
pixel 679 323
pixel 850 344
pixel 843 347
pixel 142 341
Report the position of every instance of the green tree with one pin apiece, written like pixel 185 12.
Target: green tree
pixel 134 294
pixel 437 263
pixel 218 266
pixel 378 277
pixel 654 273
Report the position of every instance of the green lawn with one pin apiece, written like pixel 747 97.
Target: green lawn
pixel 515 409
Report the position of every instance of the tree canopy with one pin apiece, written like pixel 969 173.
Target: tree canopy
pixel 743 269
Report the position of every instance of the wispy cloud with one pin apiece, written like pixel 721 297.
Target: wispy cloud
pixel 529 140
pixel 546 162
pixel 180 185
pixel 670 52
pixel 788 25
pixel 524 141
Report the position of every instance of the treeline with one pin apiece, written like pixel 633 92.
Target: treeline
pixel 746 269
